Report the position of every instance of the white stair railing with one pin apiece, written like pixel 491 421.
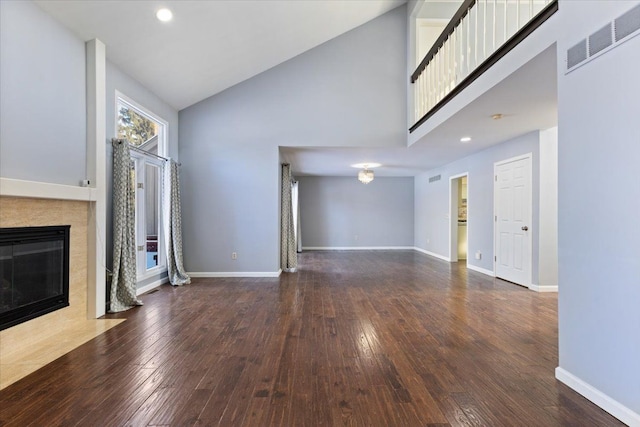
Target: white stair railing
pixel 478 35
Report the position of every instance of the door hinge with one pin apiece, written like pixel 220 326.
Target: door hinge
pixel 495 258
pixel 495 218
pixel 140 185
pixel 141 248
pixel 496 178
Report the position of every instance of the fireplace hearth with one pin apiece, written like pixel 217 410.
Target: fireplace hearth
pixel 34 272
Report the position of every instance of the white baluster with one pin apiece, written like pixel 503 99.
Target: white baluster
pixel 530 9
pixel 495 24
pixel 484 30
pixel 505 22
pixel 475 33
pixel 456 57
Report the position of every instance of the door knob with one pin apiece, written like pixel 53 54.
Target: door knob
pixel 524 228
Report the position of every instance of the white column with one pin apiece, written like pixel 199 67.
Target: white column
pixel 548 227
pixel 96 173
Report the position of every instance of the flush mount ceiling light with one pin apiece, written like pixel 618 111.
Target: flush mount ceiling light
pixel 365 176
pixel 497 116
pixel 465 139
pixel 366 165
pixel 164 15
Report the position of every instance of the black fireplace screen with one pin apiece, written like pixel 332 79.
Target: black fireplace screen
pixel 34 272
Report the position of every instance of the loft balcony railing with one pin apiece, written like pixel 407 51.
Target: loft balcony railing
pixel 479 34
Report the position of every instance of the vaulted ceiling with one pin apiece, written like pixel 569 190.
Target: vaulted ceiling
pixel 210 46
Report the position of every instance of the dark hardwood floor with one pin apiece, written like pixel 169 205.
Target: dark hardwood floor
pixel 366 338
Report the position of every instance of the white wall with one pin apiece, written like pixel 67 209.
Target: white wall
pixel 343 212
pixel 121 82
pixel 432 202
pixel 598 205
pixel 42 102
pixel 346 92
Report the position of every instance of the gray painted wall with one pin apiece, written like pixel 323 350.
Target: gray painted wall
pixel 599 201
pixel 117 80
pixel 432 202
pixel 343 212
pixel 42 107
pixel 349 91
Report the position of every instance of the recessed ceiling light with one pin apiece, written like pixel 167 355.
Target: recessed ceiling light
pixel 366 165
pixel 164 15
pixel 465 139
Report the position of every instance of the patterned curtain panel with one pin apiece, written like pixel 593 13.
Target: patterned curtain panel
pixel 173 226
pixel 288 247
pixel 123 285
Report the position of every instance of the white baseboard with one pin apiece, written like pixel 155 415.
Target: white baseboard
pixel 544 288
pixel 356 248
pixel 235 273
pixel 481 270
pixel 152 285
pixel 610 405
pixel 433 254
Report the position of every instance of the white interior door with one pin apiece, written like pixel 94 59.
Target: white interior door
pixel 512 189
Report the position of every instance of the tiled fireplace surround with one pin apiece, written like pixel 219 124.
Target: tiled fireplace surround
pixel 26 347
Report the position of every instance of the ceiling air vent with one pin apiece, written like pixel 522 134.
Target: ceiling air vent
pixel 627 23
pixel 605 39
pixel 434 178
pixel 600 40
pixel 577 54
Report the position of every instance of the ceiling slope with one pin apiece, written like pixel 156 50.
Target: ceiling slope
pixel 209 45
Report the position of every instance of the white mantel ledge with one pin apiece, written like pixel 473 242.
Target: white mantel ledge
pixel 45 190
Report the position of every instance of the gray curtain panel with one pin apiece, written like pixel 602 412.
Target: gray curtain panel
pixel 123 285
pixel 177 274
pixel 288 247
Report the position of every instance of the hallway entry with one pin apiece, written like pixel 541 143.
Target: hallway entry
pixel 458 213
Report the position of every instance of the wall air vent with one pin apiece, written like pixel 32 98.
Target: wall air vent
pixel 577 54
pixel 434 178
pixel 627 23
pixel 600 40
pixel 605 39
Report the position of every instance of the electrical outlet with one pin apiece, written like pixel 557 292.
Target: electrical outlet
pixel 355 237
pixel 428 240
pixel 234 255
pixel 478 255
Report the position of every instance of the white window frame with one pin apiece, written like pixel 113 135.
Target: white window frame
pixel 141 160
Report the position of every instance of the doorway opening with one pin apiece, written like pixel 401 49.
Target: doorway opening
pixel 458 214
pixel 147 135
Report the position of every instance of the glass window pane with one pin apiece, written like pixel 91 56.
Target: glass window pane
pixel 137 129
pixel 152 213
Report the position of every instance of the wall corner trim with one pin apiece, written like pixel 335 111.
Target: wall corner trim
pixel 213 274
pixel 481 270
pixel 544 288
pixel 432 254
pixel 605 402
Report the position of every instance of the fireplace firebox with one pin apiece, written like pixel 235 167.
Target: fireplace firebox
pixel 34 272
